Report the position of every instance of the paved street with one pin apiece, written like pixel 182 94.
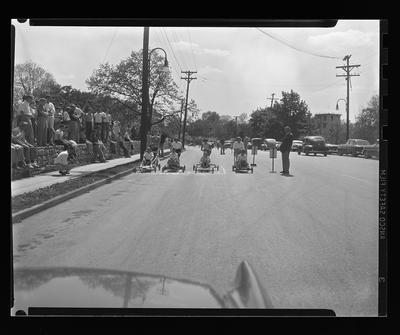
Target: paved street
pixel 312 238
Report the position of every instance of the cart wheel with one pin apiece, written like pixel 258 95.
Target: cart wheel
pixel 184 167
pixel 217 167
pixel 194 167
pixel 212 170
pixel 251 170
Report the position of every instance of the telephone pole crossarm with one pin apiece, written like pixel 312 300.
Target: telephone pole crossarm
pixel 188 78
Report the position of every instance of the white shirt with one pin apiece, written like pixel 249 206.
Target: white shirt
pixel 78 112
pixel 62 158
pixel 66 116
pixel 58 134
pixel 238 145
pixel 49 108
pixel 177 145
pixel 98 117
pixel 25 109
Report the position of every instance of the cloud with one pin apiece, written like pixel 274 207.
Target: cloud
pixel 209 70
pixel 195 48
pixel 342 40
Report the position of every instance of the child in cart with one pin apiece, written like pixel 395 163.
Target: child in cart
pixel 241 160
pixel 147 156
pixel 173 161
pixel 205 160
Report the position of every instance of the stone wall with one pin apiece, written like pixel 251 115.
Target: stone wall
pixel 46 156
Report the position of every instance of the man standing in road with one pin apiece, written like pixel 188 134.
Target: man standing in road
pixel 285 150
pixel 222 143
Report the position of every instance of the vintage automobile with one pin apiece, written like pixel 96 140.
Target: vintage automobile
pixel 332 148
pixel 352 147
pixel 296 144
pixel 228 144
pixel 270 142
pixel 313 145
pixel 371 150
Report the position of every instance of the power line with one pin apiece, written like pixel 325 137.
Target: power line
pixel 191 48
pixel 109 46
pixel 294 47
pixel 175 38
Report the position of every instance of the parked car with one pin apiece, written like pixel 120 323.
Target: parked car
pixel 278 144
pixel 296 144
pixel 371 150
pixel 332 148
pixel 228 144
pixel 270 142
pixel 263 146
pixel 313 145
pixel 352 147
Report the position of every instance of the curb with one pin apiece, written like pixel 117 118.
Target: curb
pixel 23 214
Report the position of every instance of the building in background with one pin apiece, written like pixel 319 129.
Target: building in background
pixel 328 126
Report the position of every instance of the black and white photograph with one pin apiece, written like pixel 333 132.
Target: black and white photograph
pixel 192 167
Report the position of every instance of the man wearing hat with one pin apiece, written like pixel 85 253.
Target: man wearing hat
pixel 285 149
pixel 24 118
pixel 42 121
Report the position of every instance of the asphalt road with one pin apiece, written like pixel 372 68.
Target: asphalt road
pixel 312 238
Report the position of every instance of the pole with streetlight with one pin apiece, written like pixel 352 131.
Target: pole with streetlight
pixel 144 119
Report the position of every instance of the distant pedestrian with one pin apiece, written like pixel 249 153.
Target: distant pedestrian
pixel 285 149
pixel 222 144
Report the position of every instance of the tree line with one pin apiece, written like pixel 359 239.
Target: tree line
pixel 117 89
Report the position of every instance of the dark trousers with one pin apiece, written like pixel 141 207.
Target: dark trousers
pixel 104 131
pixel 97 130
pixel 89 130
pixel 285 161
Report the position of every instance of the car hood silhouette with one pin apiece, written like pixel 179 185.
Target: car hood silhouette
pixel 68 287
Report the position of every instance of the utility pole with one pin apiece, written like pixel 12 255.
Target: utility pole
pixel 145 92
pixel 347 69
pixel 272 99
pixel 188 78
pixel 180 121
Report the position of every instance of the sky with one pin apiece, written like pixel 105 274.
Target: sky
pixel 238 69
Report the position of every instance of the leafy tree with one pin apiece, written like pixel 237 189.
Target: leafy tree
pixel 293 112
pixel 367 121
pixel 30 78
pixel 123 82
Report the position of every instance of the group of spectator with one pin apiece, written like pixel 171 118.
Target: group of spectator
pixel 38 124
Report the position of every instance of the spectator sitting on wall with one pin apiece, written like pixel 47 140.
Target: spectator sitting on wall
pixel 17 157
pixel 30 151
pixel 25 118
